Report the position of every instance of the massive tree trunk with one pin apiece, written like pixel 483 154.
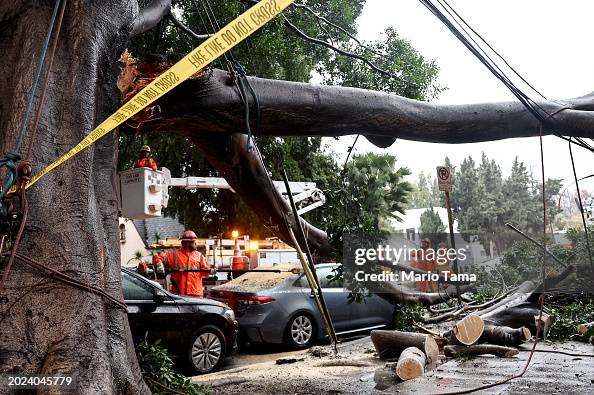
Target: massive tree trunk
pixel 211 104
pixel 49 327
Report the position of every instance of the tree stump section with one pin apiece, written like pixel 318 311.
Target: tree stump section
pixel 542 324
pixel 504 335
pixel 391 344
pixel 583 328
pixel 411 363
pixel 480 349
pixel 466 332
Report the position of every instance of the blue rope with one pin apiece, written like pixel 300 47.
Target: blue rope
pixel 37 75
pixel 9 159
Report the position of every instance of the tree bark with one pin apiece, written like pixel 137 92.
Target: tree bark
pixel 246 173
pixel 519 296
pixel 48 327
pixel 480 349
pixel 504 335
pixel 514 316
pixel 400 294
pixel 390 344
pixel 212 104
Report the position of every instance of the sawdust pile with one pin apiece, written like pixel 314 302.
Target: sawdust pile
pixel 256 281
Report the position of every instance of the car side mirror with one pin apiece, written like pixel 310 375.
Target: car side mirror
pixel 159 296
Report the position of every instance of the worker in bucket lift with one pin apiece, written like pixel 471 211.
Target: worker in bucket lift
pixel 180 260
pixel 144 159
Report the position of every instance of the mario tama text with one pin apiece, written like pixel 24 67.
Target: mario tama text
pixel 422 263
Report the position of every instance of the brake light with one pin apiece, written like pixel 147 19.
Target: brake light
pixel 236 300
pixel 259 299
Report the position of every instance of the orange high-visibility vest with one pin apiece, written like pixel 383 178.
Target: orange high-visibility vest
pixel 186 283
pixel 146 162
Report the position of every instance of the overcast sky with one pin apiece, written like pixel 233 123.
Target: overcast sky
pixel 548 42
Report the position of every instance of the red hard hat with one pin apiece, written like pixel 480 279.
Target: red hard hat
pixel 188 235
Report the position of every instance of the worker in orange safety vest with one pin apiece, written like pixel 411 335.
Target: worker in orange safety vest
pixel 423 259
pixel 145 159
pixel 187 257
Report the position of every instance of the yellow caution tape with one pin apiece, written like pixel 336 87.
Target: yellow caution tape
pixel 204 54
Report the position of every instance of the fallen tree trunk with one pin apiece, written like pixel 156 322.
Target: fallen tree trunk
pixel 504 335
pixel 455 311
pixel 212 105
pixel 399 294
pixel 246 173
pixel 519 309
pixel 514 316
pixel 411 364
pixel 550 282
pixel 453 351
pixel 467 331
pixel 519 296
pixel 390 344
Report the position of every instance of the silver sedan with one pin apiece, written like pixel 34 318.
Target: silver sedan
pixel 284 311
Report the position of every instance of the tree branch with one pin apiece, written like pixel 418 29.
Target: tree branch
pixel 212 105
pixel 323 43
pixel 150 16
pixel 177 23
pixel 246 174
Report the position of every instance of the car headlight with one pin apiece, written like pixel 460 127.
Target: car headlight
pixel 229 314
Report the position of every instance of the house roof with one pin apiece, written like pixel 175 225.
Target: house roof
pixel 163 227
pixel 412 219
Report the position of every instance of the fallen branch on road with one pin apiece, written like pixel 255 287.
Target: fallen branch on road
pixel 453 351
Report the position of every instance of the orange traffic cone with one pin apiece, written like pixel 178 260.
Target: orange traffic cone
pixel 238 261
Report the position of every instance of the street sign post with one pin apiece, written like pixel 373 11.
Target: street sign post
pixel 444 183
pixel 444 179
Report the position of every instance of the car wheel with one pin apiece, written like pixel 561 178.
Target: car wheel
pixel 206 351
pixel 300 331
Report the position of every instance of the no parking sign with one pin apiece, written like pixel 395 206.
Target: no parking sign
pixel 444 179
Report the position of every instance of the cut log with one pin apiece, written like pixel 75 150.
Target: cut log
pixel 543 324
pixel 583 328
pixel 466 331
pixel 411 364
pixel 480 349
pixel 505 336
pixel 390 344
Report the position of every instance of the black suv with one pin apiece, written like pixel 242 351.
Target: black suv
pixel 198 332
